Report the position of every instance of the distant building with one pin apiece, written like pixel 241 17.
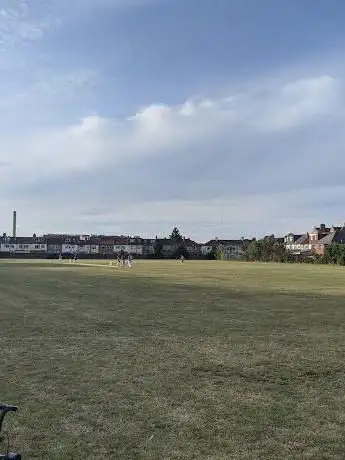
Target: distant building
pixel 297 244
pixel 231 249
pixel 316 241
pixel 336 235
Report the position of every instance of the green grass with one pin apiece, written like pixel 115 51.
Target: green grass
pixel 202 360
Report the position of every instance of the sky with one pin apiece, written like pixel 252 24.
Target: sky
pixel 222 117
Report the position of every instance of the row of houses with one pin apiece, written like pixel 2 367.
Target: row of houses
pixel 52 245
pixel 316 241
pixel 109 246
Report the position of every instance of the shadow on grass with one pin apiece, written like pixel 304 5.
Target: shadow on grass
pixel 81 302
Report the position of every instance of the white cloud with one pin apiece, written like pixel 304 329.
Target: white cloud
pixel 235 163
pixel 26 21
pixel 302 101
pixel 156 129
pixel 21 22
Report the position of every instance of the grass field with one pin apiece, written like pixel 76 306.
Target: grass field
pixel 202 360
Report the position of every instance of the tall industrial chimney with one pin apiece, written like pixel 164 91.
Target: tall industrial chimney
pixel 14 232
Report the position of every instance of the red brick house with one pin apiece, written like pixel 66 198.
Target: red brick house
pixel 335 235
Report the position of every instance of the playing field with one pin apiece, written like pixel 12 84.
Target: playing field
pixel 202 360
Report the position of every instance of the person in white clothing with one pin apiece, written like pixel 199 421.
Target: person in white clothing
pixel 129 261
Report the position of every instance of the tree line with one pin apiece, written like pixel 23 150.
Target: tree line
pixel 271 249
pixel 267 249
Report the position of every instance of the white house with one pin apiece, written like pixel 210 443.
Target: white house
pixel 206 249
pixel 8 247
pixel 69 248
pixel 84 249
pixel 38 247
pixel 23 245
pixel 94 249
pixel 135 249
pixel 297 243
pixel 88 249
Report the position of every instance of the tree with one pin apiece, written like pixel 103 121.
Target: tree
pixel 268 249
pixel 220 254
pixel 335 254
pixel 253 250
pixel 332 253
pixel 280 254
pixel 176 236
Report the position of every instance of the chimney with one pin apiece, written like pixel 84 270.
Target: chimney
pixel 14 232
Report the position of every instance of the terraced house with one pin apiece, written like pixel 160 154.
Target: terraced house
pixel 23 245
pixel 109 246
pixel 51 245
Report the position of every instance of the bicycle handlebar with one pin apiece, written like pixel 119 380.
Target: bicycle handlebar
pixel 4 408
pixel 11 456
pixel 8 408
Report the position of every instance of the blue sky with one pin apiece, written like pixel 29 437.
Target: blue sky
pixel 223 117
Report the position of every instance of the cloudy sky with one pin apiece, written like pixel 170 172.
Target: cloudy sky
pixel 223 117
